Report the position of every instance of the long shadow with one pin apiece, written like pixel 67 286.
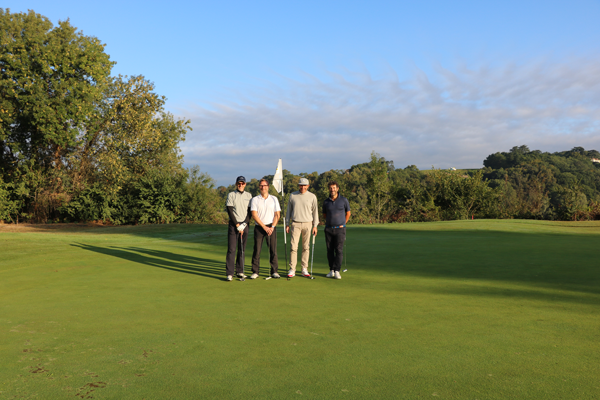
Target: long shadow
pixel 176 232
pixel 162 259
pixel 563 261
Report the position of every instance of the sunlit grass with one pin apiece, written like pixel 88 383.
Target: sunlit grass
pixel 456 310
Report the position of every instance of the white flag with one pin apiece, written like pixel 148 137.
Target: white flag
pixel 278 178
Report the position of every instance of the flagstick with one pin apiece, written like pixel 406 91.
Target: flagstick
pixel 279 172
pixel 284 236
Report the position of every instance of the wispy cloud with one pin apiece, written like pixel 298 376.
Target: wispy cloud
pixel 451 117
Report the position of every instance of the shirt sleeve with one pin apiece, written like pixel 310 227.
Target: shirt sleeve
pixel 230 200
pixel 277 206
pixel 253 205
pixel 231 216
pixel 248 213
pixel 248 210
pixel 315 212
pixel 347 206
pixel 289 210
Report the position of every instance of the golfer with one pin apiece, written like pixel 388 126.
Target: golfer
pixel 336 212
pixel 302 218
pixel 238 208
pixel 266 212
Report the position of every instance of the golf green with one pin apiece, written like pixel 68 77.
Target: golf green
pixel 450 310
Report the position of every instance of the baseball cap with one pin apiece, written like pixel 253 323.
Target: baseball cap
pixel 303 181
pixel 240 179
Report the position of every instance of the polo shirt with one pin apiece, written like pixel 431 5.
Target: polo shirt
pixel 239 201
pixel 265 208
pixel 335 211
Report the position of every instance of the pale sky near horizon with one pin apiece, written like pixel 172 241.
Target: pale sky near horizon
pixel 321 84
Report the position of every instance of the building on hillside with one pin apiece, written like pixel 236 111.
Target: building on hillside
pixel 595 160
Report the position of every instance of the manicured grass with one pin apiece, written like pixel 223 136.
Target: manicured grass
pixel 453 310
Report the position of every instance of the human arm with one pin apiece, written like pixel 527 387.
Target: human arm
pixel 315 215
pixel 231 216
pixel 288 214
pixel 248 214
pixel 348 213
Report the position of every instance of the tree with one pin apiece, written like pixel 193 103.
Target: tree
pixel 82 134
pixel 129 136
pixel 378 186
pixel 460 196
pixel 52 79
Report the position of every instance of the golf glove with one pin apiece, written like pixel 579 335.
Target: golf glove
pixel 241 227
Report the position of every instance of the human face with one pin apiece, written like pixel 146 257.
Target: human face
pixel 302 188
pixel 333 191
pixel 241 186
pixel 263 187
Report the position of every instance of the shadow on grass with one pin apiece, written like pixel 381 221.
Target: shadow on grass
pixel 162 259
pixel 555 266
pixel 558 265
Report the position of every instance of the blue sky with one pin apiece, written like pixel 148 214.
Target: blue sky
pixel 321 84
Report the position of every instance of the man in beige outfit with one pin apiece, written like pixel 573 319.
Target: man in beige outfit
pixel 302 218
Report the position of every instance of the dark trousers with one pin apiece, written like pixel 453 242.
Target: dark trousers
pixel 334 240
pixel 259 235
pixel 233 243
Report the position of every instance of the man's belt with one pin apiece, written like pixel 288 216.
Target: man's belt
pixel 335 226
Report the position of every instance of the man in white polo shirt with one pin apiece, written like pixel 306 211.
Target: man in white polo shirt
pixel 303 218
pixel 265 210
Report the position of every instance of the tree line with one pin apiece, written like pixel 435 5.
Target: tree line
pixel 78 144
pixel 516 184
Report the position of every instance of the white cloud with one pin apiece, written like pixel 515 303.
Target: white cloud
pixel 449 118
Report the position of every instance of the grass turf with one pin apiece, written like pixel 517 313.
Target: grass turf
pixel 453 310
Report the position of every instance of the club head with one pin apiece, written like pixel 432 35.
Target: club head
pixel 312 277
pixel 266 279
pixel 242 279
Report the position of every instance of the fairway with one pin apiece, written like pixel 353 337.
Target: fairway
pixel 449 310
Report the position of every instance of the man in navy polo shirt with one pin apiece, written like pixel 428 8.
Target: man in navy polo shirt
pixel 336 212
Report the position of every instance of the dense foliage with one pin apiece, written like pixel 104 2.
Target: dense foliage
pixel 515 184
pixel 77 144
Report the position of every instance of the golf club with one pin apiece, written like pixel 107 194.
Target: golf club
pixel 312 257
pixel 287 266
pixel 243 278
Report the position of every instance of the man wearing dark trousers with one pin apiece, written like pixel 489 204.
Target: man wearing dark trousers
pixel 265 211
pixel 238 208
pixel 336 212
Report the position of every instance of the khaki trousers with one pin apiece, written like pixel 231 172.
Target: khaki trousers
pixel 297 229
